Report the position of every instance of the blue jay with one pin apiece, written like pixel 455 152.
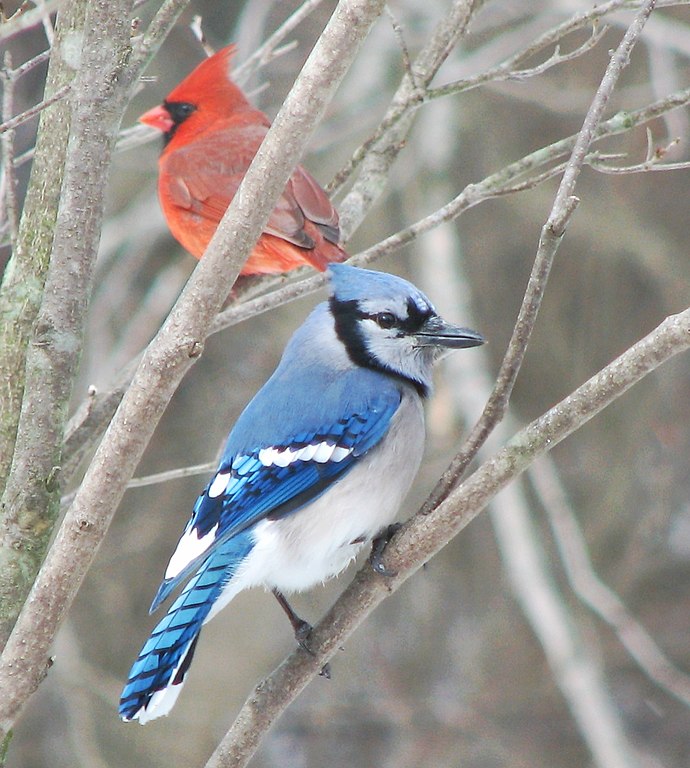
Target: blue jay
pixel 315 468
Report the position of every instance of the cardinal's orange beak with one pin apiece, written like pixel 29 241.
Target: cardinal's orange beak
pixel 158 118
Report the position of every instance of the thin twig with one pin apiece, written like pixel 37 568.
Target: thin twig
pixel 598 596
pixel 402 43
pixel 198 32
pixel 383 147
pixel 562 210
pixel 155 479
pixel 25 157
pixel 20 22
pixel 136 136
pixel 156 32
pixel 12 123
pixel 172 474
pixel 503 71
pixel 48 27
pixel 575 664
pixel 27 66
pixel 508 70
pixel 266 52
pixel 599 161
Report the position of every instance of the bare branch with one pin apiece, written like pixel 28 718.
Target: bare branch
pixel 11 123
pixel 553 37
pixel 562 210
pixel 20 22
pixel 400 37
pixel 172 352
pixel 24 157
pixel 8 184
pixel 597 595
pixel 155 479
pixel 573 661
pixel 172 474
pixel 427 533
pixel 46 21
pixel 147 45
pixel 508 70
pixel 30 501
pixel 383 148
pixel 136 136
pixel 198 32
pixel 653 162
pixel 22 287
pixel 406 103
pixel 564 203
pixel 575 665
pixel 266 52
pixel 27 66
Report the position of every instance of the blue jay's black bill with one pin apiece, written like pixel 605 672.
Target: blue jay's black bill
pixel 436 332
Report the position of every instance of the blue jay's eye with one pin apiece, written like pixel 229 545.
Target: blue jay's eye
pixel 385 319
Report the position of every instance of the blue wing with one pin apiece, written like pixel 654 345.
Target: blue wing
pixel 272 481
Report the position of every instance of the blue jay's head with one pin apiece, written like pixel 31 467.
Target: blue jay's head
pixel 388 324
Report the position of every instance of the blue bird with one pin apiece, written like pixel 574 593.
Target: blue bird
pixel 315 468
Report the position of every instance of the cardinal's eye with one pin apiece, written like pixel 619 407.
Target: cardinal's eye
pixel 180 110
pixel 385 319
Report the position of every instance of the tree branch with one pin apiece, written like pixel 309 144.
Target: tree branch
pixel 146 46
pixel 266 51
pixel 20 297
pixel 562 210
pixel 31 498
pixel 172 352
pixel 576 665
pixel 378 157
pixel 19 22
pixel 429 532
pixel 8 185
pixel 385 139
pixel 11 123
pixel 22 285
pixel 598 596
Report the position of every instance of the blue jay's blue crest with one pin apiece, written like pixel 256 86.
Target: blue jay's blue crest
pixel 362 285
pixel 316 466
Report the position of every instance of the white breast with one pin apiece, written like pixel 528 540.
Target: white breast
pixel 295 553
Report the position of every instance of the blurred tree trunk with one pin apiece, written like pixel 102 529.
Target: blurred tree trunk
pixel 58 244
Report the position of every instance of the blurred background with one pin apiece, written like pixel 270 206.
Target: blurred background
pixel 467 665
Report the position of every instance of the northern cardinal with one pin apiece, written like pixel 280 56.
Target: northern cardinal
pixel 211 136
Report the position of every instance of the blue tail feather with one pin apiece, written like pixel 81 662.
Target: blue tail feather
pixel 172 642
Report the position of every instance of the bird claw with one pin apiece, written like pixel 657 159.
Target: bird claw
pixel 302 633
pixel 378 547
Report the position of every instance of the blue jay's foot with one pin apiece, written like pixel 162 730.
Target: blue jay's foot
pixel 378 546
pixel 301 628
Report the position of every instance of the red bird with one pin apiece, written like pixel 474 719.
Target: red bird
pixel 211 136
